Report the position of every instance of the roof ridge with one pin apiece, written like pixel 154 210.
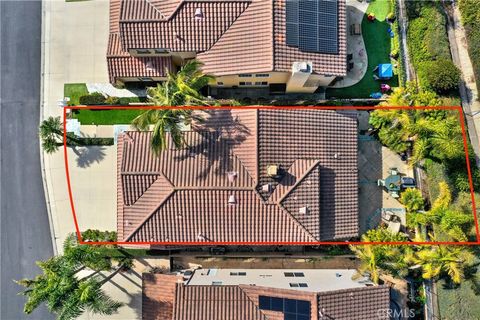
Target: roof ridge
pixel 306 173
pixel 147 217
pixel 233 22
pixel 295 221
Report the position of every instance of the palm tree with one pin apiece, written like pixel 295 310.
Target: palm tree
pixel 65 292
pixel 180 89
pixel 51 134
pixel 376 259
pixel 436 261
pixel 412 199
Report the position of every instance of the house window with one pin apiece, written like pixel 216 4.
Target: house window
pixel 219 83
pixel 238 273
pixel 294 274
pixel 145 79
pixel 160 51
pixel 143 51
pixel 216 283
pixel 262 75
pixel 261 83
pixel 298 285
pixel 245 75
pixel 245 83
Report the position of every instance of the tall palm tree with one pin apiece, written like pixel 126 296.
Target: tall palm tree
pixel 51 134
pixel 65 292
pixel 180 89
pixel 377 259
pixel 436 261
pixel 412 199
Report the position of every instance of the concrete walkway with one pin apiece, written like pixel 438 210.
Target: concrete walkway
pixel 468 87
pixel 355 45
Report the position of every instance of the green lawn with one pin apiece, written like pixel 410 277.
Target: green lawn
pixel 458 302
pixel 74 91
pixel 106 117
pixel 378 45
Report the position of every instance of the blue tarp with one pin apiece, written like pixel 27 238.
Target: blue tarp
pixel 385 71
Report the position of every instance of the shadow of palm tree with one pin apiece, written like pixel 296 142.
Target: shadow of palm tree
pixel 86 156
pixel 219 133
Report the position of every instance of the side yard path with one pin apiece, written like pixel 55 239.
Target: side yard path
pixel 468 87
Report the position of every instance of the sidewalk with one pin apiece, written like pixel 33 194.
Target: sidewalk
pixel 75 36
pixel 468 88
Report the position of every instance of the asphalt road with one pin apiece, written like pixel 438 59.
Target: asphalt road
pixel 25 233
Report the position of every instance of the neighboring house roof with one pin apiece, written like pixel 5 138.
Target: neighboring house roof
pixel 122 65
pixel 210 302
pixel 182 195
pixel 234 36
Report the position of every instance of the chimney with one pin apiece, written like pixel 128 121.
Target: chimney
pixel 273 171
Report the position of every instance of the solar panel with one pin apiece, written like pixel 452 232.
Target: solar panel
pixel 312 25
pixel 292 309
pixel 292 22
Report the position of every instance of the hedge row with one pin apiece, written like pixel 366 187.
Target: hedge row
pixel 429 47
pixel 97 98
pixel 470 10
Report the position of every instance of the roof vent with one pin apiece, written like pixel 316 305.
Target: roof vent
pixel 335 156
pixel 201 236
pixel 149 66
pixel 303 210
pixel 232 200
pixel 232 176
pixel 267 187
pixel 198 14
pixel 273 171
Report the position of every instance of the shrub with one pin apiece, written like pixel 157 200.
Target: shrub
pixel 112 100
pixel 440 75
pixel 97 235
pixel 92 99
pixel 412 200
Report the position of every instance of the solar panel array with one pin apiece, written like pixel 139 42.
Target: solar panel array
pixel 312 25
pixel 292 309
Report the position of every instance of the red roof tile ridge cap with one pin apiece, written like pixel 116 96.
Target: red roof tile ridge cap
pixel 249 2
pixel 365 288
pixel 150 214
pixel 241 287
pixel 211 188
pixel 295 221
pixel 305 174
pixel 244 167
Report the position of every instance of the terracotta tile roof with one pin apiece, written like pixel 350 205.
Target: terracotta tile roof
pixel 158 296
pixel 121 64
pixel 141 25
pixel 247 46
pixel 237 36
pixel 330 64
pixel 193 302
pixel 361 303
pixel 214 303
pixel 329 137
pixel 183 194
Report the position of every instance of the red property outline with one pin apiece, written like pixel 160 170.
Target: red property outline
pixel 206 243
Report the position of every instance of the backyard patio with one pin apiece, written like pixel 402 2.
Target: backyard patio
pixel 382 175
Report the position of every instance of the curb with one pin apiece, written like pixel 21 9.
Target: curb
pixel 42 110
